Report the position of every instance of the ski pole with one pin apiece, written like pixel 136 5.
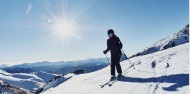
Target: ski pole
pixel 128 59
pixel 107 59
pixel 131 64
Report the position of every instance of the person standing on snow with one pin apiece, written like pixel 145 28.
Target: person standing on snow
pixel 114 45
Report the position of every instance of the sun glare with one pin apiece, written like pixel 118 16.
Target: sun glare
pixel 62 22
pixel 63 19
pixel 63 29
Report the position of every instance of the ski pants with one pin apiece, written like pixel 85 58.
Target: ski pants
pixel 115 63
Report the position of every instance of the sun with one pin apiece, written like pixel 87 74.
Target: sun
pixel 63 29
pixel 63 21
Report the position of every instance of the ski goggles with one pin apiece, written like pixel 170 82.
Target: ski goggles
pixel 110 35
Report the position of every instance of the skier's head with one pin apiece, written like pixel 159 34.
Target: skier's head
pixel 110 33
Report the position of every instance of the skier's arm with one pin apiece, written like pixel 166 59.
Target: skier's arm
pixel 107 50
pixel 107 47
pixel 120 44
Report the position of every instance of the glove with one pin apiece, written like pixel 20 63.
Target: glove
pixel 104 52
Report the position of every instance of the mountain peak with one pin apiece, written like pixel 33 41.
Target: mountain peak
pixel 176 39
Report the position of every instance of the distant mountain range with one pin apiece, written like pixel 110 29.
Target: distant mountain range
pixel 62 67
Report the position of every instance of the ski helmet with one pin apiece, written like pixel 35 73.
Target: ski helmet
pixel 110 31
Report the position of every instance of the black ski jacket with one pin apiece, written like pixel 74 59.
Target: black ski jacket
pixel 114 45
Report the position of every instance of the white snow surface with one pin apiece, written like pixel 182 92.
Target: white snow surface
pixel 28 81
pixel 163 72
pixel 45 76
pixel 6 88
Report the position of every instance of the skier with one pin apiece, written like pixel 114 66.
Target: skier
pixel 114 45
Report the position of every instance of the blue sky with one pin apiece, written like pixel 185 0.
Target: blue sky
pixel 29 31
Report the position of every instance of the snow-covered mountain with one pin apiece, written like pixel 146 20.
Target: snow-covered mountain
pixel 21 80
pixel 40 76
pixel 178 38
pixel 6 88
pixel 88 65
pixel 163 72
pixel 24 81
pixel 62 67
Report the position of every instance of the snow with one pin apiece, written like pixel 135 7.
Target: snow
pixel 9 89
pixel 55 82
pixel 28 81
pixel 27 76
pixel 163 72
pixel 45 76
pixel 2 72
pixel 40 80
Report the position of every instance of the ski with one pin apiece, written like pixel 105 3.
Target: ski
pixel 109 83
pixel 117 79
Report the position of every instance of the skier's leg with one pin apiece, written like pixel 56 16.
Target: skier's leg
pixel 117 63
pixel 112 65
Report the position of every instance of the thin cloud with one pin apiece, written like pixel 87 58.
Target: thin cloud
pixel 29 8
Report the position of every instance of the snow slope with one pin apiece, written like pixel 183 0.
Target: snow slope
pixel 45 76
pixel 178 38
pixel 30 82
pixel 163 72
pixel 27 81
pixel 35 80
pixel 6 88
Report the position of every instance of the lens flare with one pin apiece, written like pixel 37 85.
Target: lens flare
pixel 64 19
pixel 64 29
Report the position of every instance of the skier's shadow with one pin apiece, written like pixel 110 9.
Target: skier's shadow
pixel 178 80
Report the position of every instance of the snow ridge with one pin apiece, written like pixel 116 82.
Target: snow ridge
pixel 178 38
